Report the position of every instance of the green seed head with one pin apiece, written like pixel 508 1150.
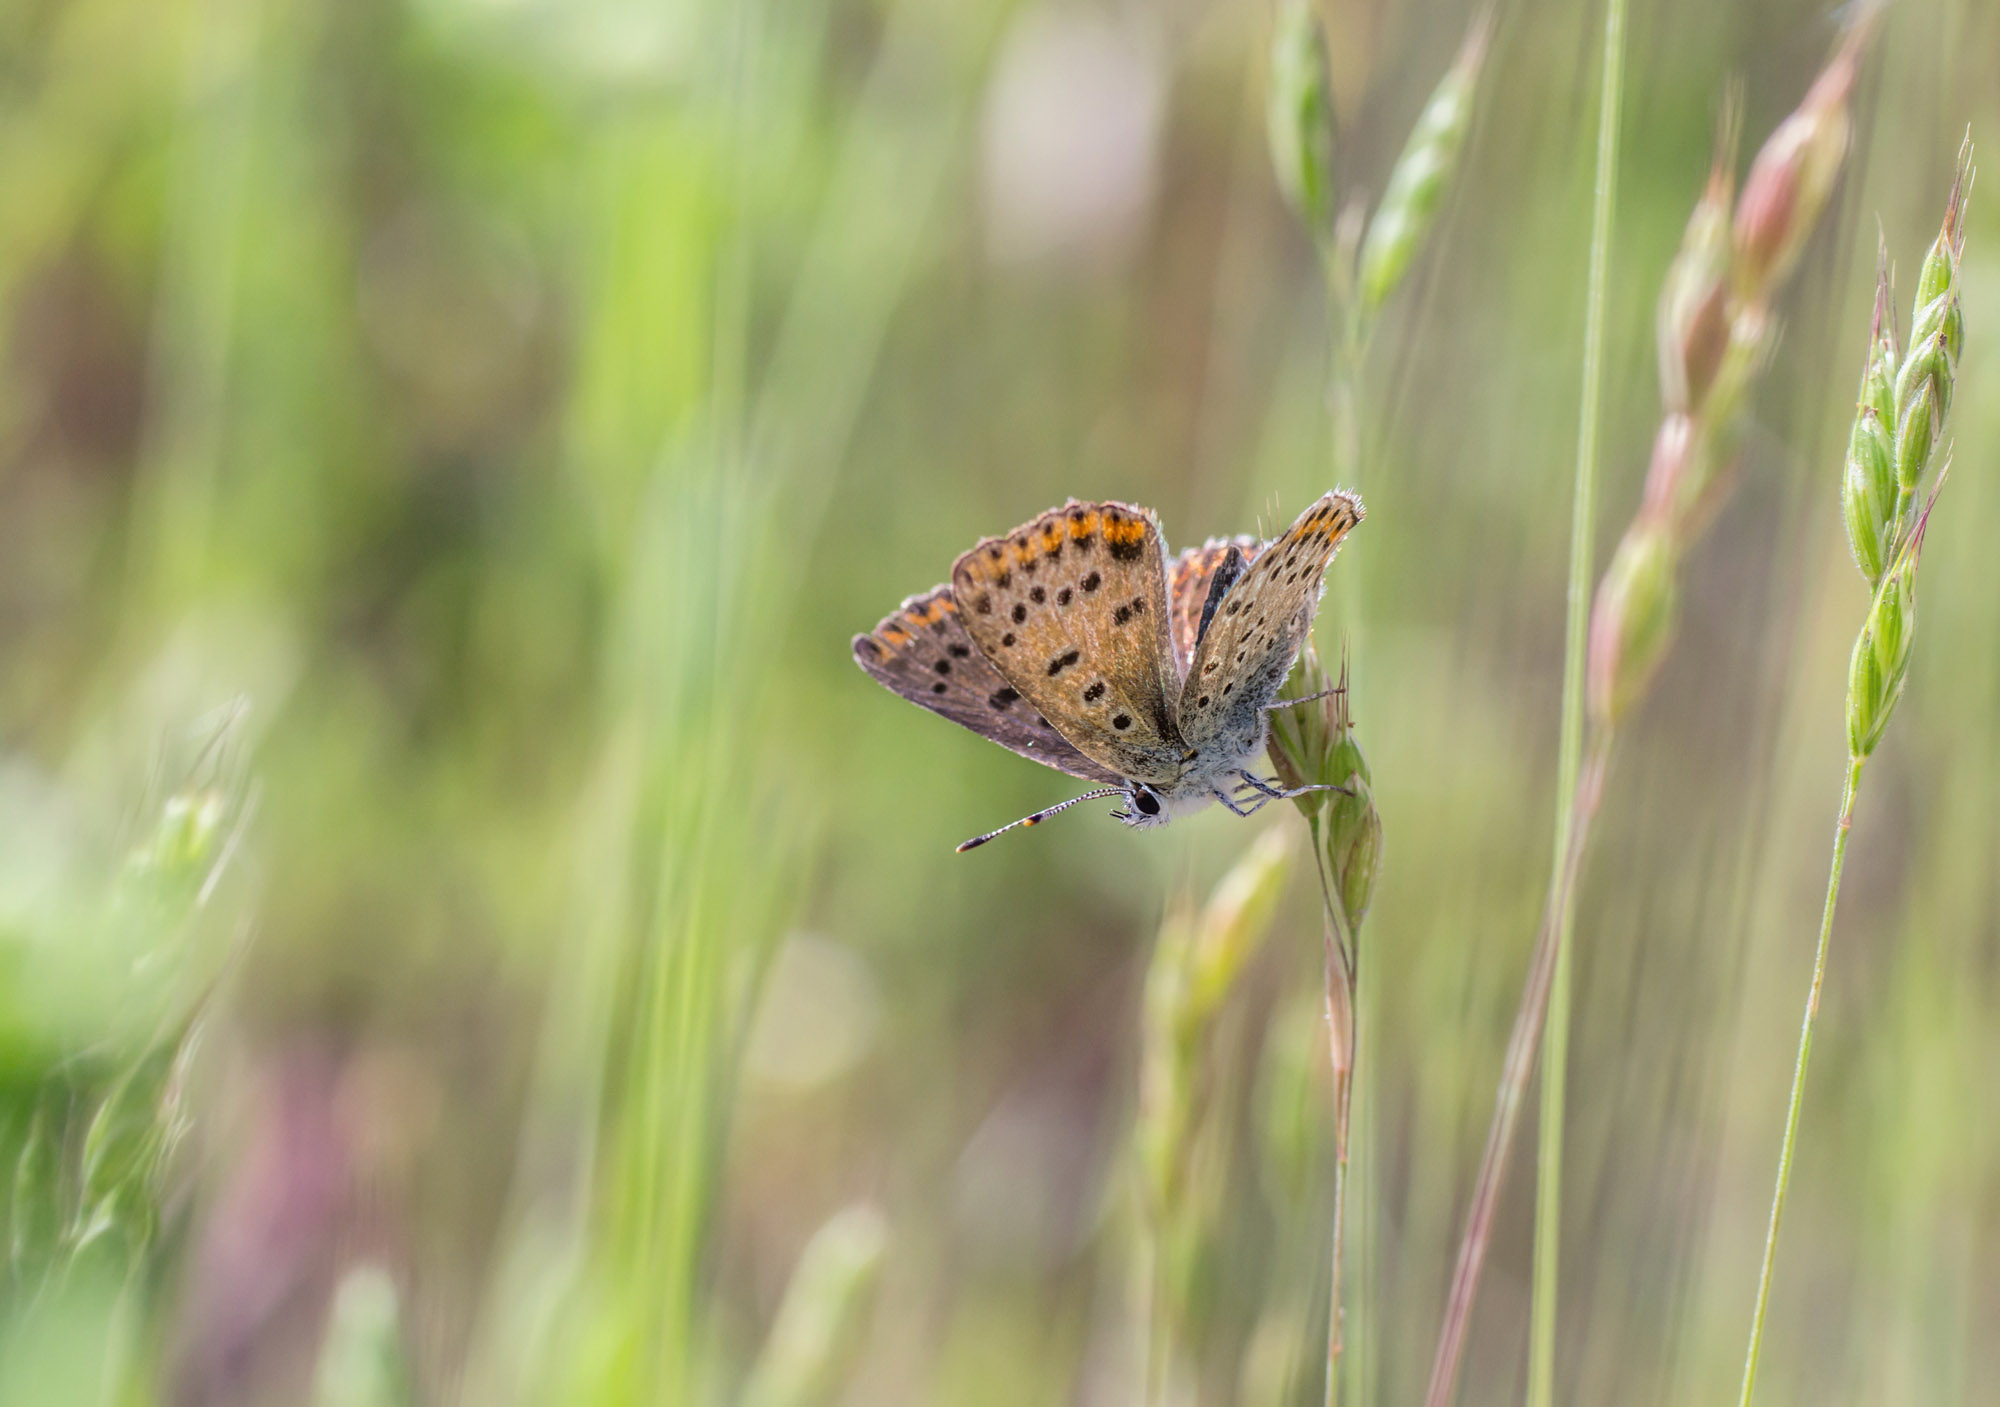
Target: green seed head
pixel 1881 659
pixel 1868 493
pixel 1314 745
pixel 1870 500
pixel 1633 619
pixel 1299 116
pixel 1917 433
pixel 1421 176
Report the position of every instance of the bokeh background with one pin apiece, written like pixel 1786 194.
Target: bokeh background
pixel 465 924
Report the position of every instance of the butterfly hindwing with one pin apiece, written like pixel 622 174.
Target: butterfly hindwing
pixel 1072 609
pixel 1260 626
pixel 1188 581
pixel 922 652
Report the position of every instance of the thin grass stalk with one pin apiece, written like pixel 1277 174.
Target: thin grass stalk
pixel 1583 509
pixel 1840 833
pixel 1343 1021
pixel 1716 329
pixel 1515 1071
pixel 1887 542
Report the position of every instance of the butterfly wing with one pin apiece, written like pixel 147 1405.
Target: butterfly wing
pixel 922 652
pixel 1188 581
pixel 1072 609
pixel 1261 625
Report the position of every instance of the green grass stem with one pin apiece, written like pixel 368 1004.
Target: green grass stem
pixel 1548 1163
pixel 1785 1150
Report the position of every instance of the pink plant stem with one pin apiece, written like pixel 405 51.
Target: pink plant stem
pixel 1522 1047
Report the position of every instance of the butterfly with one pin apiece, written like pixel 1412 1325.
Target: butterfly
pixel 1073 641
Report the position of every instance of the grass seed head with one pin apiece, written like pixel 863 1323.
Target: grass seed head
pixel 1632 621
pixel 1314 745
pixel 1694 300
pixel 1794 174
pixel 1299 116
pixel 1422 174
pixel 1870 498
pixel 1881 659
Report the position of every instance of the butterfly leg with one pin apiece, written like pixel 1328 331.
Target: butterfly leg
pixel 1271 793
pixel 1236 807
pixel 1306 698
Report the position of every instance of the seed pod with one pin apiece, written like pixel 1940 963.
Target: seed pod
pixel 1881 659
pixel 1314 745
pixel 1298 116
pixel 1694 300
pixel 1793 175
pixel 1417 184
pixel 1870 499
pixel 1632 621
pixel 1868 493
pixel 1917 433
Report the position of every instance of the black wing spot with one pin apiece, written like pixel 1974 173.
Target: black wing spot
pixel 1038 595
pixel 984 605
pixel 1201 702
pixel 1063 661
pixel 1121 615
pixel 994 553
pixel 1020 613
pixel 1084 544
pixel 1092 582
pixel 1227 690
pixel 1128 551
pixel 1094 692
pixel 1062 597
pixel 1138 605
pixel 1122 722
pixel 1211 667
pixel 959 652
pixel 1007 640
pixel 939 687
pixel 942 666
pixel 1002 580
pixel 1233 608
pixel 1001 698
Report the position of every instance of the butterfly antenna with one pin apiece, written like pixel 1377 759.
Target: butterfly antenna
pixel 1040 816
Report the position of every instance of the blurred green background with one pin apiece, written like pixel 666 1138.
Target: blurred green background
pixel 465 923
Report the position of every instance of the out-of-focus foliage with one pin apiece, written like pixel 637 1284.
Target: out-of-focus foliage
pixel 465 924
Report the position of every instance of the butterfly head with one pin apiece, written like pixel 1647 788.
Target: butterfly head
pixel 1144 807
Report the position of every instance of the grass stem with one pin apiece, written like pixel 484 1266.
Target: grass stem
pixel 1515 1071
pixel 1854 765
pixel 1548 1163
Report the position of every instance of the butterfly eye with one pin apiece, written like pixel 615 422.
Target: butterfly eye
pixel 1145 803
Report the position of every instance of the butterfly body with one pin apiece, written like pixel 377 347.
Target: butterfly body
pixel 1073 641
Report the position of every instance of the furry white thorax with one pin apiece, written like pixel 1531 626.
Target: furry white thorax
pixel 1209 777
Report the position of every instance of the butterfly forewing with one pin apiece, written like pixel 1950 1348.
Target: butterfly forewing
pixel 922 652
pixel 1261 624
pixel 1072 609
pixel 1188 580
